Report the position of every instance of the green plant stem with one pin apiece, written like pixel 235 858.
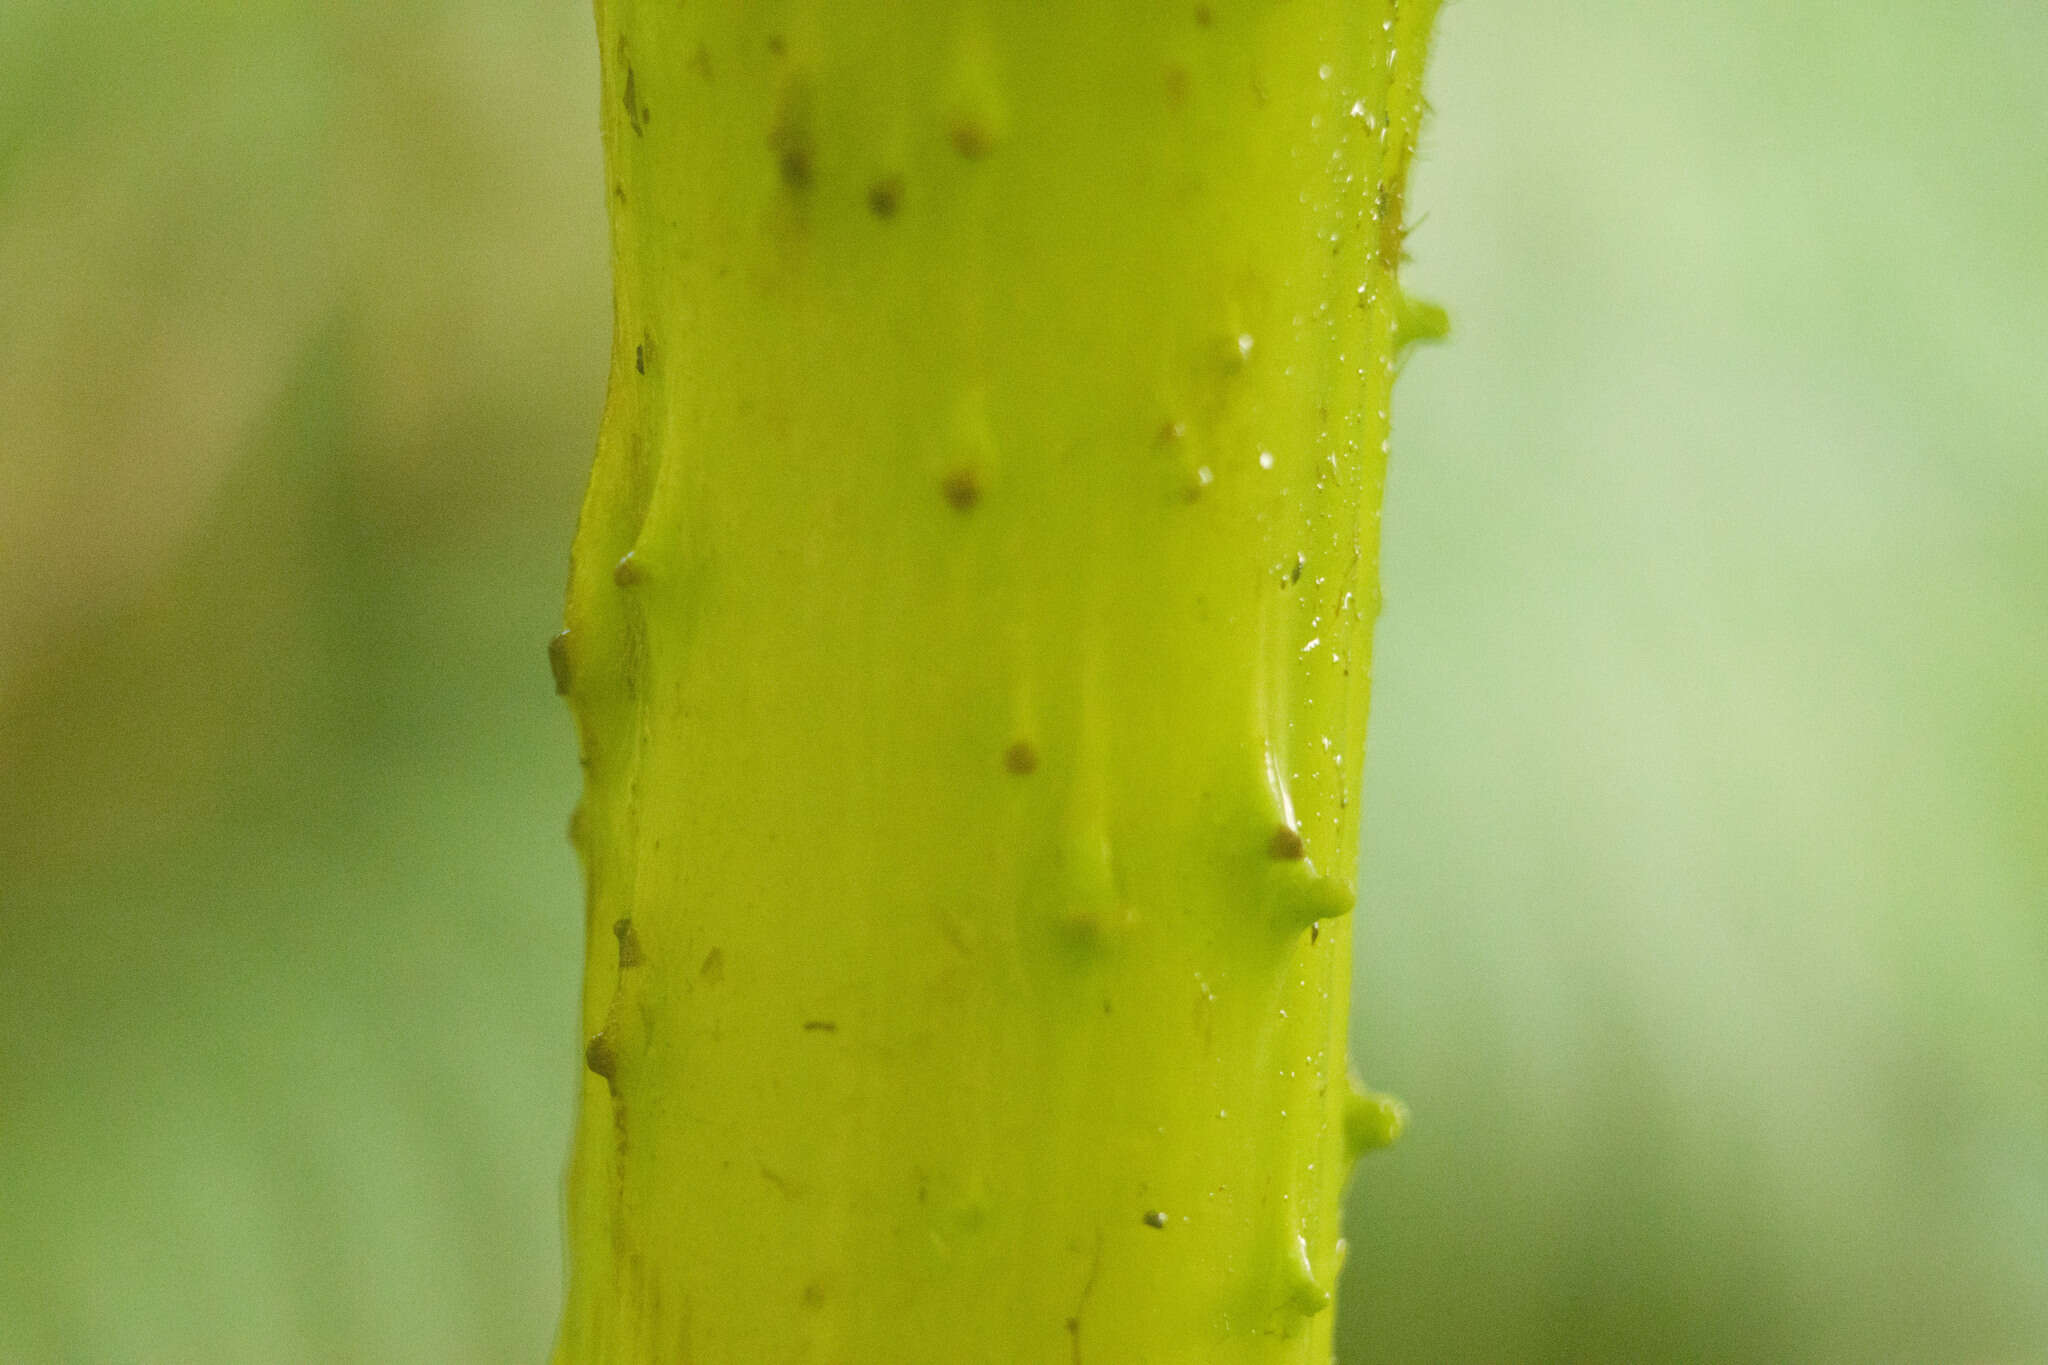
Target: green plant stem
pixel 969 639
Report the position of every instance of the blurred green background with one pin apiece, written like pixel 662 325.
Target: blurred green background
pixel 1706 917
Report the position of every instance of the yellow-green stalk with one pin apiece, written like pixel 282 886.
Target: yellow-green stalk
pixel 969 636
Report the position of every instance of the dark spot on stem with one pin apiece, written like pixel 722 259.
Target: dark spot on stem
pixel 1203 16
pixel 885 196
pixel 962 488
pixel 1286 845
pixel 1176 77
pixel 795 164
pixel 820 1026
pixel 791 137
pixel 971 137
pixel 601 1057
pixel 1021 758
pixel 1315 931
pixel 628 571
pixel 640 359
pixel 713 970
pixel 1154 1218
pixel 793 160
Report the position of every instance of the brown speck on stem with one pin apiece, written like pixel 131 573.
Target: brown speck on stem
pixel 1154 1218
pixel 1021 758
pixel 1083 929
pixel 971 137
pixel 820 1026
pixel 962 488
pixel 713 970
pixel 628 572
pixel 790 136
pixel 795 164
pixel 793 160
pixel 1203 16
pixel 1286 845
pixel 701 62
pixel 814 1295
pixel 1176 84
pixel 885 196
pixel 1170 431
pixel 640 359
pixel 629 944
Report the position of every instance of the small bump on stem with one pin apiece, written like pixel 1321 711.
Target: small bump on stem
pixel 1372 1121
pixel 1305 1295
pixel 559 663
pixel 602 1058
pixel 629 944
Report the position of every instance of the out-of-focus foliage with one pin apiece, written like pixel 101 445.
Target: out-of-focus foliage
pixel 303 317
pixel 1706 924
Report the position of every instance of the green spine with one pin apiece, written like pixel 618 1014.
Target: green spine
pixel 969 640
